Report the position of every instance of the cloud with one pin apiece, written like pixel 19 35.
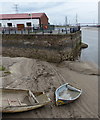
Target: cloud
pixel 35 6
pixel 56 11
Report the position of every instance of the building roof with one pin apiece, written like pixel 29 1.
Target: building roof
pixel 21 16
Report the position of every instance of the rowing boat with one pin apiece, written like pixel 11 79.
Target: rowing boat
pixel 19 100
pixel 67 94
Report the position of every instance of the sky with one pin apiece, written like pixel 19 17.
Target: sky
pixel 56 10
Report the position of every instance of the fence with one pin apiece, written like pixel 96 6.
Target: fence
pixel 30 30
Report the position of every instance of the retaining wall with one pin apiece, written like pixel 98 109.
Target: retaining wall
pixel 52 48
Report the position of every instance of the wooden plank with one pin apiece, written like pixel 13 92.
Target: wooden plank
pixel 32 95
pixel 19 101
pixel 9 102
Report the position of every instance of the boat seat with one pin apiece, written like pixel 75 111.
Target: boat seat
pixel 41 98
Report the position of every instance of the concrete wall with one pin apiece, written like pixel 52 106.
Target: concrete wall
pixel 53 48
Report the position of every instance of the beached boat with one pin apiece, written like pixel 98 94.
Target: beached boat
pixel 67 94
pixel 19 100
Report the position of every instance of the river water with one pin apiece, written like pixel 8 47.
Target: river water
pixel 90 36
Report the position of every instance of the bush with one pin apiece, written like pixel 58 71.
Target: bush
pixel 2 68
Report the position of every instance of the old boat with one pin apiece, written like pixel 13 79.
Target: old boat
pixel 67 94
pixel 19 100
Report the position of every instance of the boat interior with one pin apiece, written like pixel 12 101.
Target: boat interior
pixel 21 98
pixel 67 92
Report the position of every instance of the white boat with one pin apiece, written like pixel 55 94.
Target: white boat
pixel 67 94
pixel 19 100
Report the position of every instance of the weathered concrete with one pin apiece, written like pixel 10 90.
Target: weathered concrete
pixel 53 48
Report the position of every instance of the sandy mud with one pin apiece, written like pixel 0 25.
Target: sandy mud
pixel 38 75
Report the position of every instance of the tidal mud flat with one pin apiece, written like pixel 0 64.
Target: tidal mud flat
pixel 38 75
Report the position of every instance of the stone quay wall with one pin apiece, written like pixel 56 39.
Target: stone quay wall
pixel 51 48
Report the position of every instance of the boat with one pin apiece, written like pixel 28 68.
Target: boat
pixel 19 100
pixel 67 94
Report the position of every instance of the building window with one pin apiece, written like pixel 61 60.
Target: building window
pixel 28 23
pixel 9 24
pixel 0 25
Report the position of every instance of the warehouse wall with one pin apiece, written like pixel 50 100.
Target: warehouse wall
pixel 19 21
pixel 44 19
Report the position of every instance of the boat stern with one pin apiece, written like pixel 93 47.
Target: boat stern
pixel 60 102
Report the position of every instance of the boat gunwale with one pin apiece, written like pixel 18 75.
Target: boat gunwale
pixel 28 107
pixel 57 97
pixel 23 108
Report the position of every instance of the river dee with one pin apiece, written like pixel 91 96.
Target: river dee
pixel 90 36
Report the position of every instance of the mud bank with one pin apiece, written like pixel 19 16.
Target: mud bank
pixel 43 76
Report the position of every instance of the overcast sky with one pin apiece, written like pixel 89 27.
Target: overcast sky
pixel 56 10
